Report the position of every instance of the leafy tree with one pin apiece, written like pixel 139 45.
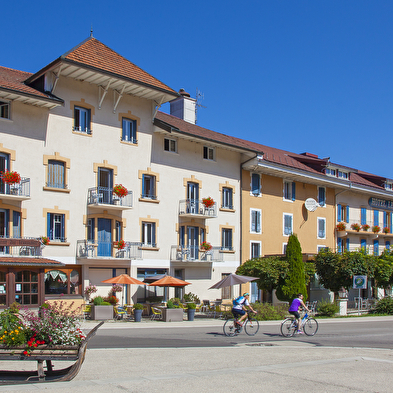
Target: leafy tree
pixel 383 270
pixel 295 280
pixel 270 271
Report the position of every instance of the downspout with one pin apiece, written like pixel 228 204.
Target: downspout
pixel 335 212
pixel 241 209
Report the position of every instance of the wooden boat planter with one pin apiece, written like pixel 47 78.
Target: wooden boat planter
pixel 48 354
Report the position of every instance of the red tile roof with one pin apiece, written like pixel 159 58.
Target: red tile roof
pixel 26 261
pixel 13 80
pixel 95 54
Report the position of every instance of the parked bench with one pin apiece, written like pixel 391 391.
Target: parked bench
pixel 45 353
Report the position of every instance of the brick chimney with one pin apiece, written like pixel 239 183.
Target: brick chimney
pixel 184 107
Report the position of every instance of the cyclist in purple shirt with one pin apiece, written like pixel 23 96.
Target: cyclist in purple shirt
pixel 294 309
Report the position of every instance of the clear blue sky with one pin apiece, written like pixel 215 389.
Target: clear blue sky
pixel 313 75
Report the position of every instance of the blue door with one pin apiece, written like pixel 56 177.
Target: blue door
pixel 105 184
pixel 104 237
pixel 192 198
pixel 193 244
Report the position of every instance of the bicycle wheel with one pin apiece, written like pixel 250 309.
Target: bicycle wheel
pixel 310 327
pixel 288 327
pixel 229 328
pixel 251 327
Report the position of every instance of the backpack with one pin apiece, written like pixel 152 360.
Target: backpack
pixel 238 300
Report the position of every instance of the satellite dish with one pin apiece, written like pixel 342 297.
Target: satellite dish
pixel 311 204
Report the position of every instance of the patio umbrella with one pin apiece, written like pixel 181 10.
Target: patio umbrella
pixel 123 279
pixel 169 281
pixel 232 279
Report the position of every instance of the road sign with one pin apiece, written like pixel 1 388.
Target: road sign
pixel 360 282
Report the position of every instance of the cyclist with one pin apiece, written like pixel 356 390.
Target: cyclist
pixel 239 309
pixel 294 309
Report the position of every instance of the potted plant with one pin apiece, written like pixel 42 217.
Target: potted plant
pixel 208 202
pixel 191 307
pixel 138 309
pixel 365 227
pixel 10 177
pixel 120 190
pixel 173 311
pixel 44 240
pixel 119 244
pixel 375 228
pixel 355 227
pixel 341 226
pixel 205 246
pixel 101 310
pixel 89 290
pixel 386 230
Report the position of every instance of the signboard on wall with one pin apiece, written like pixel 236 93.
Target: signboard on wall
pixel 380 203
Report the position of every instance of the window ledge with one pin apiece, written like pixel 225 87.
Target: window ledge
pixel 149 200
pixel 225 209
pixel 228 251
pixel 146 248
pixel 129 143
pixel 66 190
pixel 54 243
pixel 83 133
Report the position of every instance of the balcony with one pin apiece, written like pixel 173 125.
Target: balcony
pixel 20 247
pixel 196 208
pixel 99 197
pixel 102 249
pixel 16 192
pixel 369 233
pixel 195 254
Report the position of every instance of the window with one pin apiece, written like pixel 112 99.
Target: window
pixel 149 234
pixel 342 213
pixel 342 175
pixel 170 145
pixel 56 227
pixel 287 222
pixel 82 119
pixel 90 229
pixel 56 174
pixel 321 196
pixel 255 219
pixel 16 224
pixel 65 281
pixel 388 186
pixel 289 190
pixel 255 250
pixel 226 241
pixel 209 153
pixel 227 198
pixel 4 110
pixel 330 172
pixel 26 287
pixel 255 184
pixel 129 131
pixel 149 187
pixel 322 248
pixel 321 228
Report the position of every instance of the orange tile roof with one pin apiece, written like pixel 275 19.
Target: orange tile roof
pixel 95 54
pixel 13 80
pixel 27 261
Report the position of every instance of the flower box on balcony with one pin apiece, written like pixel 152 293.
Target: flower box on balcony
pixel 375 228
pixel 355 227
pixel 341 226
pixel 208 202
pixel 120 190
pixel 365 227
pixel 10 177
pixel 206 246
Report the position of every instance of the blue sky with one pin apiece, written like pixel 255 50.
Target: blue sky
pixel 311 76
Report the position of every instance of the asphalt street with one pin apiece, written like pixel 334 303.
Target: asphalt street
pixel 341 357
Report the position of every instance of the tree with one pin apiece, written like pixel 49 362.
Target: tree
pixel 270 271
pixel 383 270
pixel 295 280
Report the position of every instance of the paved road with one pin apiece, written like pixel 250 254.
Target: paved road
pixel 372 332
pixel 330 362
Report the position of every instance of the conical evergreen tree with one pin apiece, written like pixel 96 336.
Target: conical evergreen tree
pixel 295 281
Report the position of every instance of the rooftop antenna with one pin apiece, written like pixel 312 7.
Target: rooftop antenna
pixel 199 97
pixel 91 30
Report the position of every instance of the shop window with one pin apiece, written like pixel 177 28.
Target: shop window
pixel 26 287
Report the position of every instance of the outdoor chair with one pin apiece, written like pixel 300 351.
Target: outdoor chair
pixel 119 313
pixel 155 313
pixel 86 310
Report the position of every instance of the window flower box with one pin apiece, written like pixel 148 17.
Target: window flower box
pixel 120 190
pixel 341 226
pixel 120 244
pixel 375 228
pixel 208 202
pixel 44 240
pixel 365 227
pixel 206 246
pixel 355 227
pixel 386 230
pixel 10 177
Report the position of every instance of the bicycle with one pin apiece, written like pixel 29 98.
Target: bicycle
pixel 308 324
pixel 232 328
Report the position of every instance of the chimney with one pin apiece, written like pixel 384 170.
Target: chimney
pixel 184 107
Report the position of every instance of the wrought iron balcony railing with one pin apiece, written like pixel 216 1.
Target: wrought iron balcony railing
pixel 195 207
pixel 105 196
pixel 105 249
pixel 196 254
pixel 21 189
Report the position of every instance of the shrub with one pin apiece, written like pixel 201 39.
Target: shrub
pixel 111 300
pixel 138 306
pixel 191 306
pixel 268 312
pixel 327 309
pixel 170 304
pixel 176 302
pixel 98 300
pixel 190 297
pixel 384 306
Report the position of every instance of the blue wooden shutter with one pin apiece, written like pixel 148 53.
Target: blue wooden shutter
pixel 49 226
pixel 293 191
pixel 387 244
pixel 143 186
pixel 376 247
pixel 339 244
pixel 63 228
pixel 391 223
pixel 338 212
pixel 363 216
pixel 347 213
pixel 385 219
pixel 376 218
pixel 321 196
pixel 153 234
pixel 347 244
pixel 258 218
pixel 363 244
